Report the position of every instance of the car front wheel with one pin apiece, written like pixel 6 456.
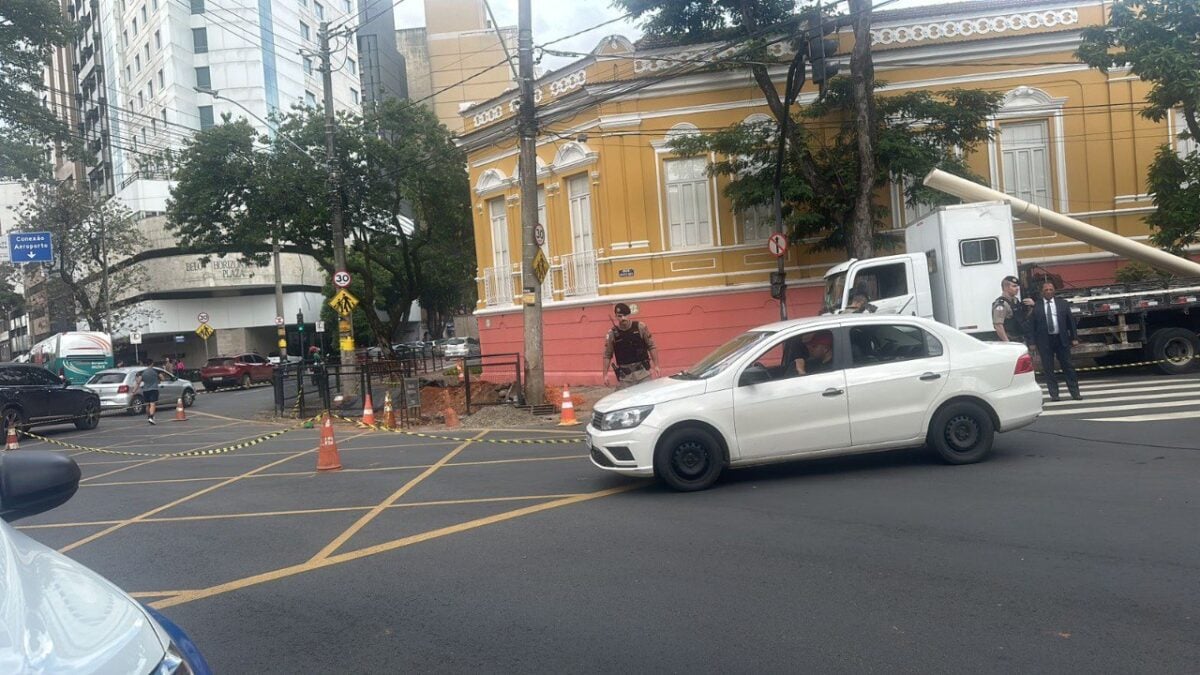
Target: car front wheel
pixel 89 418
pixel 962 433
pixel 688 459
pixel 189 397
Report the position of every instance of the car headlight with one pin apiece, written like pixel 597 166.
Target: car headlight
pixel 173 663
pixel 626 418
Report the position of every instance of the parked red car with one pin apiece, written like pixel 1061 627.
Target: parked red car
pixel 240 369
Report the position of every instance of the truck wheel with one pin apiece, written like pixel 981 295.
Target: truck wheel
pixel 1176 348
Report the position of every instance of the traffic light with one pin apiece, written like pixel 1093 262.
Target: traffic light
pixel 820 49
pixel 300 321
pixel 778 281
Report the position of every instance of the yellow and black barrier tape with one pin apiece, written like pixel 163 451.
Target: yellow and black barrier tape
pixel 507 441
pixel 185 453
pixel 1116 366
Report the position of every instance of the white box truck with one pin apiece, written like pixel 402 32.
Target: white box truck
pixel 956 257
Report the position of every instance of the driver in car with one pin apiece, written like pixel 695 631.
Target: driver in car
pixel 820 354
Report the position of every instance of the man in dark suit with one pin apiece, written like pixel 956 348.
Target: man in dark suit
pixel 1054 334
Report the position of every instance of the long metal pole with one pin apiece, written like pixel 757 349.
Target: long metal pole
pixel 345 339
pixel 281 329
pixel 535 376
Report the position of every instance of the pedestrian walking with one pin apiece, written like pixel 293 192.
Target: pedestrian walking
pixel 630 344
pixel 1010 314
pixel 1054 334
pixel 179 367
pixel 146 382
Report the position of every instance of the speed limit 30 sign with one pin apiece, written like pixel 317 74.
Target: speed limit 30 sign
pixel 341 279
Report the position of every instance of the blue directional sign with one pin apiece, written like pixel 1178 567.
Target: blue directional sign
pixel 30 247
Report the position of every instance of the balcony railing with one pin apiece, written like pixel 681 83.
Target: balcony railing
pixel 498 285
pixel 579 274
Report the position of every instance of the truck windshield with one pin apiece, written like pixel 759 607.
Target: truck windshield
pixel 835 287
pixel 722 356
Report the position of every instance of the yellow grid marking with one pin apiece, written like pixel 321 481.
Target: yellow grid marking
pixel 379 508
pixel 349 556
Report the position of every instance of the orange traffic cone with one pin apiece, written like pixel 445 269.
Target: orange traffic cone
pixel 328 458
pixel 461 376
pixel 180 415
pixel 368 411
pixel 568 409
pixel 13 442
pixel 389 415
pixel 451 418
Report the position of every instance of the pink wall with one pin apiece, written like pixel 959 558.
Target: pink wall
pixel 684 329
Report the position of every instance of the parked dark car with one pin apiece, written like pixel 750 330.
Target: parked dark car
pixel 239 369
pixel 33 396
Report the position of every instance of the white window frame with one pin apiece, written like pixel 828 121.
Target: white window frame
pixel 1032 103
pixel 1021 162
pixel 682 221
pixel 761 219
pixel 497 211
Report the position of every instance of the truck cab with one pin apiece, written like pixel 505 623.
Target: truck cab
pixel 956 257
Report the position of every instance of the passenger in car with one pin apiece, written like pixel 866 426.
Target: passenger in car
pixel 820 355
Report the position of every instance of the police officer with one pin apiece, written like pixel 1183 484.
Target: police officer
pixel 630 344
pixel 1010 316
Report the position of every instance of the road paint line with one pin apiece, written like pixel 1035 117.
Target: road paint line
pixel 155 594
pixel 369 516
pixel 303 512
pixel 177 502
pixel 1134 390
pixel 1115 408
pixel 349 556
pixel 1159 417
pixel 1065 403
pixel 200 413
pixel 84 481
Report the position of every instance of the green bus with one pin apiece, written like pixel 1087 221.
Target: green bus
pixel 75 355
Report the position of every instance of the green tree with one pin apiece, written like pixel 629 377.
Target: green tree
pixel 29 32
pixel 94 243
pixel 827 190
pixel 1157 41
pixel 403 189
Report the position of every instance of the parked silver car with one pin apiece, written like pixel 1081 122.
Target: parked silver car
pixel 116 389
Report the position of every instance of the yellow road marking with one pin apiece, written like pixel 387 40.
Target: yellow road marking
pixel 374 469
pixel 370 515
pixel 300 512
pixel 132 466
pixel 159 594
pixel 177 502
pixel 199 413
pixel 349 556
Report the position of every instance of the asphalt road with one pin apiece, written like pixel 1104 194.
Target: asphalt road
pixel 1074 548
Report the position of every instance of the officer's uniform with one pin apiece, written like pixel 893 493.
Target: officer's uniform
pixel 1011 313
pixel 631 350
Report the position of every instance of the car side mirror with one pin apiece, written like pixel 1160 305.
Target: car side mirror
pixel 35 481
pixel 755 374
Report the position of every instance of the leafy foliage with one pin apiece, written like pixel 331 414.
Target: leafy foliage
pixel 404 194
pixel 1156 40
pixel 29 31
pixel 90 237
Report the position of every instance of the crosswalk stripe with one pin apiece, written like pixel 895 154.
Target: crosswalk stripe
pixel 1140 397
pixel 1159 417
pixel 1130 390
pixel 1114 408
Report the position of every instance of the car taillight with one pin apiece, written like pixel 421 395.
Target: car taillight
pixel 123 389
pixel 1024 365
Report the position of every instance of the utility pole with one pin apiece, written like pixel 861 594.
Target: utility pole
pixel 281 329
pixel 535 374
pixel 345 338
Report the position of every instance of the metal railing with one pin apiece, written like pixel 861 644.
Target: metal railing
pixel 498 285
pixel 579 274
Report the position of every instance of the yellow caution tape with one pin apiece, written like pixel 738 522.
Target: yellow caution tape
pixel 508 441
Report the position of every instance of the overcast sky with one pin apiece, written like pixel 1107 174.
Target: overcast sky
pixel 553 19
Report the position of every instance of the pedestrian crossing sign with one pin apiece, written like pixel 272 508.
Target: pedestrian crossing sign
pixel 205 331
pixel 343 303
pixel 541 266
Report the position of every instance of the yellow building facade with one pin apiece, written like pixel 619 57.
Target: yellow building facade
pixel 627 220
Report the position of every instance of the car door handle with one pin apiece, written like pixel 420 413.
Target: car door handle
pixel 832 392
pixel 929 377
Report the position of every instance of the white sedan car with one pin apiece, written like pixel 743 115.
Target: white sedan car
pixel 818 387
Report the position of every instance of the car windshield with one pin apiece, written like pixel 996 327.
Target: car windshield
pixel 834 288
pixel 722 356
pixel 107 378
pixel 220 362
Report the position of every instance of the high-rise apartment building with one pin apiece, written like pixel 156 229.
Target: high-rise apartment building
pixel 457 42
pixel 381 67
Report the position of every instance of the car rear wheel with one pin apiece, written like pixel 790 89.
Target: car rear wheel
pixel 962 433
pixel 13 417
pixel 688 459
pixel 246 381
pixel 189 397
pixel 137 406
pixel 89 418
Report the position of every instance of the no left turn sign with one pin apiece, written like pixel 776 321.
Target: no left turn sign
pixel 202 317
pixel 777 245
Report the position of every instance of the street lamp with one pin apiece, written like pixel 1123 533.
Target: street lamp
pixel 281 330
